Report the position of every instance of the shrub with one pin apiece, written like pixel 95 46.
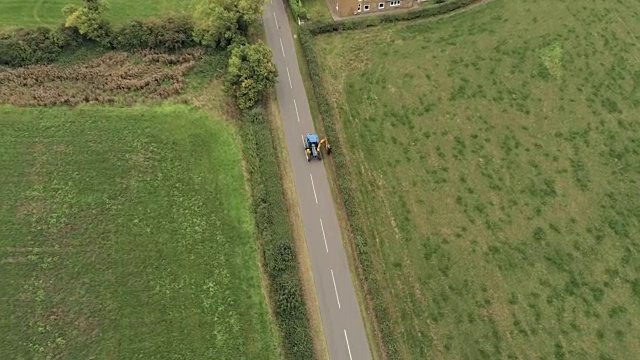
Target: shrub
pixel 250 73
pixel 70 36
pixel 44 45
pixel 131 36
pixel 89 21
pixel 31 46
pixel 274 236
pixel 165 34
pixel 298 9
pixel 219 22
pixel 171 33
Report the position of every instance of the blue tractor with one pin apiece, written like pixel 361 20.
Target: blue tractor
pixel 311 143
pixel 313 146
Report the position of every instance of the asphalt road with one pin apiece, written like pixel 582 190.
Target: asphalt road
pixel 341 318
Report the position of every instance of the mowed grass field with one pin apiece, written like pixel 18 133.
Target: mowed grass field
pixel 127 233
pixel 30 13
pixel 317 10
pixel 494 157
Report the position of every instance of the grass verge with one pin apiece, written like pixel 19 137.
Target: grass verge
pixel 317 11
pixel 126 232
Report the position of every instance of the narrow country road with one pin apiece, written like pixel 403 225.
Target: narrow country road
pixel 341 318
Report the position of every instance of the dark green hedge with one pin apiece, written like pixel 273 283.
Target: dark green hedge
pixel 35 46
pixel 274 233
pixel 342 172
pixel 44 45
pixel 298 9
pixel 164 34
pixel 391 17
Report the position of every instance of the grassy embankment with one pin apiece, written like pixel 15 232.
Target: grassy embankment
pixel 503 142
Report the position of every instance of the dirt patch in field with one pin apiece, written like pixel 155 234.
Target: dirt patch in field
pixel 33 208
pixel 116 78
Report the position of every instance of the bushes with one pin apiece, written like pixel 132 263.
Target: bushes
pixel 44 45
pixel 250 73
pixel 165 34
pixel 32 46
pixel 132 36
pixel 89 21
pixel 274 234
pixel 169 33
pixel 424 12
pixel 221 22
pixel 298 9
pixel 218 27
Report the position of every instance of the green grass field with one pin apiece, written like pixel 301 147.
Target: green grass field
pixel 127 233
pixel 502 145
pixel 29 13
pixel 317 10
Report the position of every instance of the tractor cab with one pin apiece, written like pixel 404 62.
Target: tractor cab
pixel 311 143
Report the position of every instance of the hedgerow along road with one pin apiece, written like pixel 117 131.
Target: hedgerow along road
pixel 341 317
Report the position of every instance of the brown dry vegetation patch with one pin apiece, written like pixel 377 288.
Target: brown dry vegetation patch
pixel 33 208
pixel 114 78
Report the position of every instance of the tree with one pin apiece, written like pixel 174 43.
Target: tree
pixel 89 20
pixel 250 73
pixel 219 22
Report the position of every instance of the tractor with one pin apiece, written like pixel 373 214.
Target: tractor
pixel 313 146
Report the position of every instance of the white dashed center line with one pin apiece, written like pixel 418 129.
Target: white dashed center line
pixel 283 55
pixel 348 347
pixel 335 288
pixel 314 188
pixel 296 105
pixel 288 75
pixel 324 237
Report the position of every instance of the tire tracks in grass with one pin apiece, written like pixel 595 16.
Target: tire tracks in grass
pixel 35 11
